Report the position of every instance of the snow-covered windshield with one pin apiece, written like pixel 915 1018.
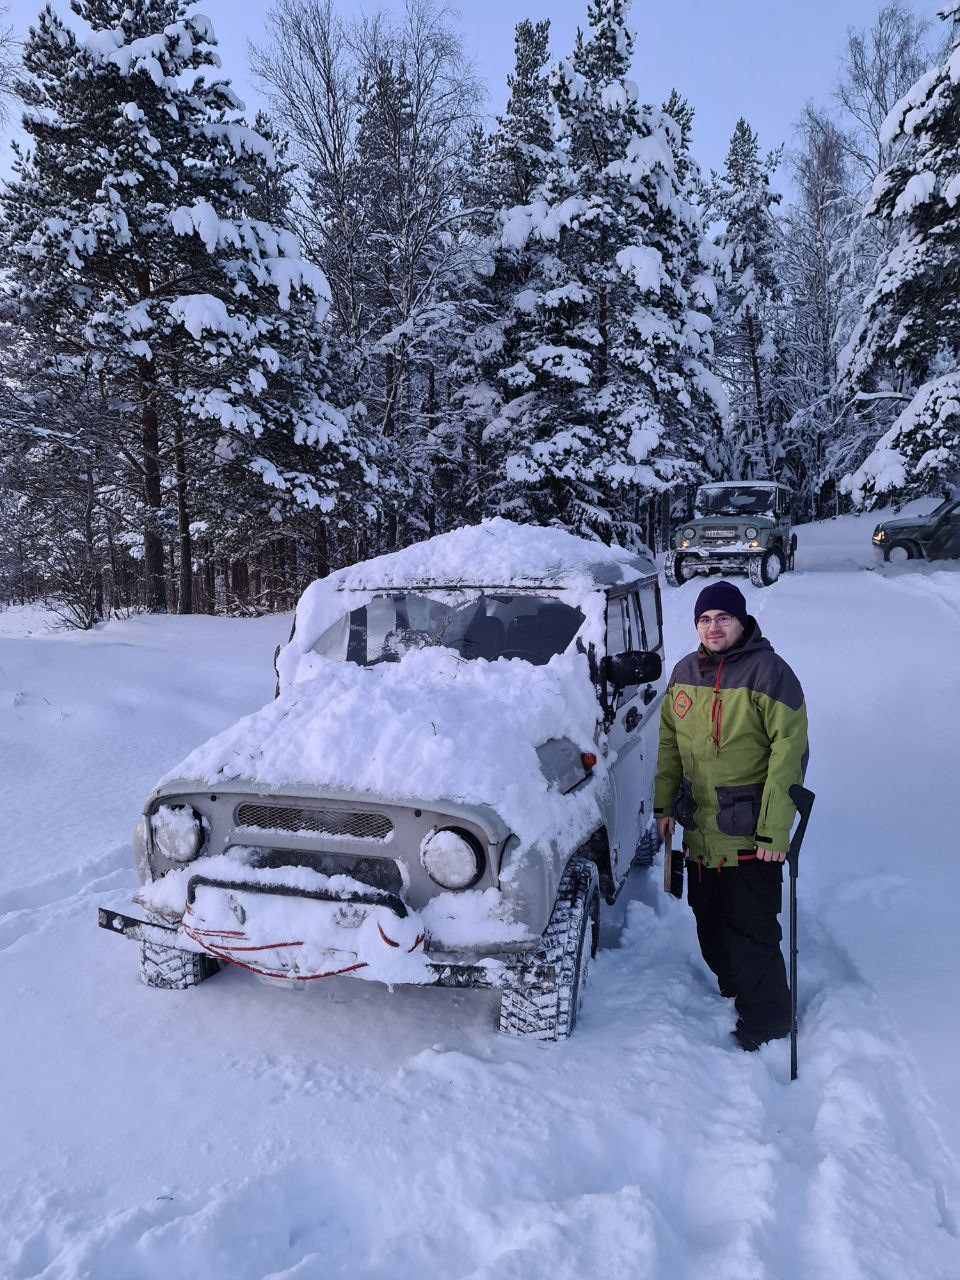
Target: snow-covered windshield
pixel 527 626
pixel 748 500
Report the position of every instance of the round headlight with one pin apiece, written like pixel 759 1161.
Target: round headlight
pixel 177 832
pixel 452 857
pixel 689 532
pixel 750 531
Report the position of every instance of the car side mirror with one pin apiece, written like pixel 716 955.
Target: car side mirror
pixel 624 669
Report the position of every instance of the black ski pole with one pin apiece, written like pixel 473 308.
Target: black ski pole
pixel 803 799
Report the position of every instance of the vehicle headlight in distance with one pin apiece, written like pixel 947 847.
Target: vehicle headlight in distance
pixel 689 533
pixel 452 858
pixel 177 832
pixel 750 531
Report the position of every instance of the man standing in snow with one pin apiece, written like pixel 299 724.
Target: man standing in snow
pixel 733 740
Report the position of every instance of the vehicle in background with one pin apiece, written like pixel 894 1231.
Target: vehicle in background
pixel 739 526
pixel 934 536
pixel 457 767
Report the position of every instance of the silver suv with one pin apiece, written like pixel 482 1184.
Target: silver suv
pixel 457 768
pixel 739 526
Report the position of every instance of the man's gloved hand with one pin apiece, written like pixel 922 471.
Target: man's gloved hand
pixel 664 825
pixel 769 855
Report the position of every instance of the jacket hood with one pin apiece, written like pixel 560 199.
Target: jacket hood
pixel 752 641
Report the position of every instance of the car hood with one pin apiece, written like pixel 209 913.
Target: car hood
pixel 903 524
pixel 761 522
pixel 428 729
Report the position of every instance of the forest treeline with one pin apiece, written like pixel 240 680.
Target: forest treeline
pixel 238 353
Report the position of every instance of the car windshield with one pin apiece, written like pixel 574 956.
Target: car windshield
pixel 526 626
pixel 942 508
pixel 746 500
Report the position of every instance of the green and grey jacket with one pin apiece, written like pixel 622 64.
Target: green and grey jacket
pixel 733 740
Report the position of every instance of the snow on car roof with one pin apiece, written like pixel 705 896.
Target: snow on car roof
pixel 496 554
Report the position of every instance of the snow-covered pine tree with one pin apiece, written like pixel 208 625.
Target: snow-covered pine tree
pixel 907 344
pixel 744 202
pixel 131 255
pixel 569 443
pixel 493 386
pixel 811 266
pixel 670 389
pixel 614 372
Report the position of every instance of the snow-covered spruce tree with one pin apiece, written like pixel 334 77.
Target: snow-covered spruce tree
pixel 668 344
pixel 907 343
pixel 131 254
pixel 509 170
pixel 381 116
pixel 744 202
pixel 810 266
pixel 611 384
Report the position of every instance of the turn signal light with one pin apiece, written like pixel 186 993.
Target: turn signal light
pixel 588 759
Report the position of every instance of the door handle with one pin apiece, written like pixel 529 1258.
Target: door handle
pixel 649 694
pixel 631 719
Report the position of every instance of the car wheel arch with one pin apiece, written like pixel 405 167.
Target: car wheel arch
pixel 596 848
pixel 912 548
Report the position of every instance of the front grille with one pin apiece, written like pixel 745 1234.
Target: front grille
pixel 345 824
pixel 720 535
pixel 379 873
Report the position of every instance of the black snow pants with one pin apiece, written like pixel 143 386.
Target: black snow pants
pixel 736 910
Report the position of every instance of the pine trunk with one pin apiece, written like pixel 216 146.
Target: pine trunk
pixel 665 505
pixel 758 394
pixel 183 524
pixel 156 587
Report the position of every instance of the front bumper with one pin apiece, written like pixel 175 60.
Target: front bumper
pixel 706 559
pixel 301 935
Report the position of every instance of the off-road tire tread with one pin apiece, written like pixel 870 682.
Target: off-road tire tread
pixel 174 970
pixel 647 847
pixel 670 563
pixel 757 564
pixel 546 1013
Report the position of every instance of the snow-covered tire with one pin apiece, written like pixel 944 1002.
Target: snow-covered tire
pixel 647 847
pixel 569 943
pixel 174 970
pixel 898 553
pixel 766 567
pixel 673 568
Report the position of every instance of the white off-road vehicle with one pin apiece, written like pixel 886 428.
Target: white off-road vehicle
pixel 457 767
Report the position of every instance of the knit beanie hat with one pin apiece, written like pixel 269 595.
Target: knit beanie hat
pixel 725 596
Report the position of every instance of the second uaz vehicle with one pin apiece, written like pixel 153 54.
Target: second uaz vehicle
pixel 739 526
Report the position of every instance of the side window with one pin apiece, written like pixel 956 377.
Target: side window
pixel 635 622
pixel 616 627
pixel 623 635
pixel 652 631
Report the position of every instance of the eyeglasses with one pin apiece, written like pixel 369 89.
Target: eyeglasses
pixel 721 620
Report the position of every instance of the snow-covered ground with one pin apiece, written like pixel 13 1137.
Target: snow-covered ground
pixel 344 1132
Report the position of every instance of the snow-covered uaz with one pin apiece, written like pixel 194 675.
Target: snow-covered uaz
pixel 456 768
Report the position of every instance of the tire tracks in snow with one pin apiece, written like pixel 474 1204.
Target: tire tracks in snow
pixel 37 907
pixel 646 1146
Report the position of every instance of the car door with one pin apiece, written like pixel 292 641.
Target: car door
pixel 632 733
pixel 944 540
pixel 624 749
pixel 647 603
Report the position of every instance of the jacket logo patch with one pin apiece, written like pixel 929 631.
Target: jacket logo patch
pixel 682 703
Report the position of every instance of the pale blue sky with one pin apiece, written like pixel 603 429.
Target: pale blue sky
pixel 759 58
